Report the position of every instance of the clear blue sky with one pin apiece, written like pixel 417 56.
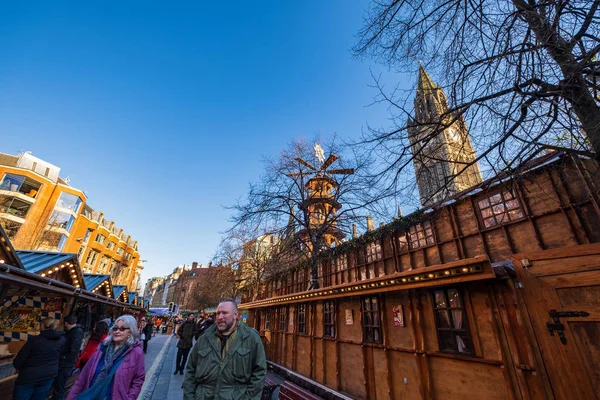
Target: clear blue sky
pixel 162 112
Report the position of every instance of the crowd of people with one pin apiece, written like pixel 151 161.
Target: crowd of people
pixel 227 358
pixel 48 360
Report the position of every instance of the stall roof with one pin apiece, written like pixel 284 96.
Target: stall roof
pixel 92 281
pixel 38 261
pixel 118 289
pixel 132 297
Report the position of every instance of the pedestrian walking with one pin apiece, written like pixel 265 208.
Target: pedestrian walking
pixel 228 360
pixel 205 324
pixel 99 333
pixel 185 333
pixel 147 334
pixel 37 362
pixel 73 339
pixel 116 370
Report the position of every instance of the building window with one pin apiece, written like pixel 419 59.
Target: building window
pixel 268 320
pixel 69 202
pixel 450 321
pixel 282 318
pixel 92 257
pixel 87 235
pixel 421 235
pixel 120 251
pixel 61 220
pixel 302 318
pixel 21 184
pixel 373 251
pixel 499 208
pixel 371 319
pixel 103 266
pixel 402 242
pixel 110 245
pixel 52 241
pixel 14 206
pixel 10 227
pixel 100 238
pixel 329 318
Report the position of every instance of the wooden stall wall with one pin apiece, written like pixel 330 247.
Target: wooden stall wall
pixel 552 207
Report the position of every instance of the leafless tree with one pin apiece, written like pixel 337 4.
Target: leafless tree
pixel 219 284
pixel 523 74
pixel 280 202
pixel 255 255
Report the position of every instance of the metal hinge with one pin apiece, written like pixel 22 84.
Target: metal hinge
pixel 557 326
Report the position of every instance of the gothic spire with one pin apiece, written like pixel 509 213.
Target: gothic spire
pixel 425 81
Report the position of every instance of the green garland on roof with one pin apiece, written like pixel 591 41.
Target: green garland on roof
pixel 400 223
pixel 397 224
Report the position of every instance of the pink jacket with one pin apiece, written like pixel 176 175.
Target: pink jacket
pixel 128 380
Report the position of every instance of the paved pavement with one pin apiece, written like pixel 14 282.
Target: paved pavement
pixel 160 382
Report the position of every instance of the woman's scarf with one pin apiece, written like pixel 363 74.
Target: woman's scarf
pixel 110 356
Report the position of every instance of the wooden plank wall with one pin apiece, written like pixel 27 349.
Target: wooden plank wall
pixel 560 208
pixel 408 364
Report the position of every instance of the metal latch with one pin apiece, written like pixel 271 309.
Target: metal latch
pixel 557 326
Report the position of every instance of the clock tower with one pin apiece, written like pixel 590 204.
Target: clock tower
pixel 440 144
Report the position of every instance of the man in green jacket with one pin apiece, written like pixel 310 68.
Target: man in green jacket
pixel 227 362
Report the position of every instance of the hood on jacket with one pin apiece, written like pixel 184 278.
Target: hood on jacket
pixel 51 334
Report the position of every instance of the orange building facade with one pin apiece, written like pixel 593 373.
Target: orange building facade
pixel 41 211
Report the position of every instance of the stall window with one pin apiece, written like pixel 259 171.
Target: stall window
pixel 329 318
pixel 373 251
pixel 371 319
pixel 282 318
pixel 499 208
pixel 302 318
pixel 268 320
pixel 421 235
pixel 451 322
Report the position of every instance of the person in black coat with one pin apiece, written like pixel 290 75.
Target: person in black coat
pixel 147 331
pixel 37 362
pixel 73 338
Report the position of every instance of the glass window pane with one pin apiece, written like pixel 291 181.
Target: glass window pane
pixel 376 335
pixel 454 298
pixel 443 319
pixel 462 343
pixel 512 204
pixel 495 199
pixel 489 222
pixel 12 182
pixel 484 203
pixel 486 212
pixel 69 202
pixel 440 299
pixel 507 195
pixel 447 342
pixel 515 214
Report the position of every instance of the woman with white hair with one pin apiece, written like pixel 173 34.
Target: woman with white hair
pixel 121 351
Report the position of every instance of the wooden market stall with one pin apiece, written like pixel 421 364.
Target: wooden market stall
pixel 35 285
pixel 492 295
